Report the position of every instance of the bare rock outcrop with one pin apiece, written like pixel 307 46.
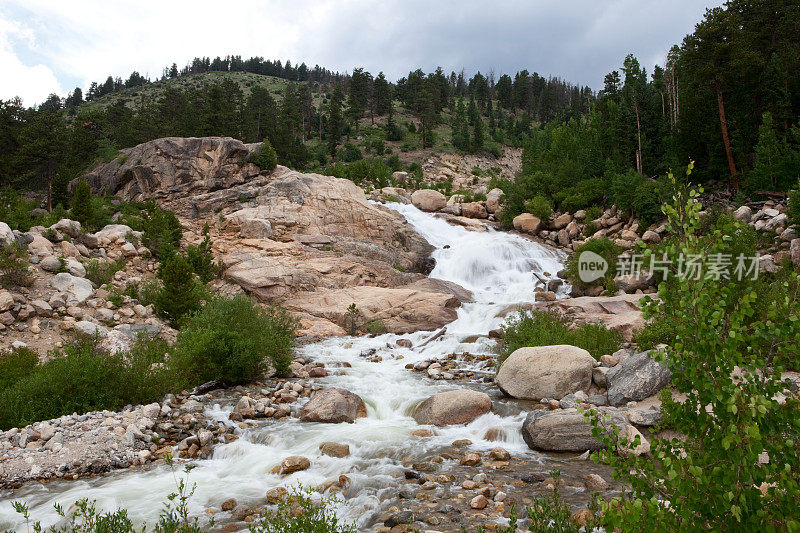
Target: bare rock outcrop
pixel 174 166
pixel 310 242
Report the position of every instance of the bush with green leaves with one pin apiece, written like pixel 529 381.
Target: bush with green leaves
pixel 349 153
pixel 15 270
pixel 162 231
pixel 180 293
pixel 368 173
pixel 15 210
pixel 606 249
pixel 202 259
pixel 266 158
pixel 16 365
pixel 793 210
pixel 735 465
pixel 548 328
pixel 298 513
pixel 102 272
pixel 235 341
pixel 637 195
pixel 81 378
pixel 540 207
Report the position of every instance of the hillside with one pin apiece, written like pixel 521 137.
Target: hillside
pixel 154 91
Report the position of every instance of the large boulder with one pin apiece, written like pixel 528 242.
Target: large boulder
pixel 67 226
pixel 77 290
pixel 527 223
pixel 6 301
pixel 428 200
pixel 794 251
pixel 545 372
pixel 114 232
pixel 493 200
pixel 566 430
pixel 743 214
pixel 635 379
pixel 6 235
pixel 333 406
pixel 474 210
pixel 460 406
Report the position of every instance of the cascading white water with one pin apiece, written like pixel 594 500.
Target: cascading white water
pixel 497 267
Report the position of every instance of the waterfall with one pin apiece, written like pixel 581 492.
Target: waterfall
pixel 496 266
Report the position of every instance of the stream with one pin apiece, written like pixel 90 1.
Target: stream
pixel 496 266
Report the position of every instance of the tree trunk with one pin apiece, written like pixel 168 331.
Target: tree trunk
pixel 726 141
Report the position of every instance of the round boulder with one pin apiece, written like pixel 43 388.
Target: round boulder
pixel 428 200
pixel 527 223
pixel 333 406
pixel 546 372
pixel 453 407
pixel 295 463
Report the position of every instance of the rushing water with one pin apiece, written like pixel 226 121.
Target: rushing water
pixel 497 267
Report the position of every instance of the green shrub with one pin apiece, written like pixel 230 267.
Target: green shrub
pixel 724 358
pixel 606 249
pixel 16 210
pixel 794 205
pixel 376 327
pixel 300 514
pixel 585 193
pixel 540 207
pixel 82 206
pixel 266 158
pixel 202 259
pixel 16 365
pixel 161 231
pixel 145 292
pixel 636 195
pixel 593 212
pixel 548 328
pixel 14 268
pixel 180 294
pixel 102 272
pixel 371 172
pixel 349 153
pixel 235 341
pixel 84 378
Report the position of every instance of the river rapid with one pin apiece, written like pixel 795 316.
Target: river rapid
pixel 497 267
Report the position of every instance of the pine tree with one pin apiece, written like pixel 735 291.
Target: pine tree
pixel 358 95
pixel 266 158
pixel 179 295
pixel 475 120
pixel 381 96
pixel 81 209
pixel 334 133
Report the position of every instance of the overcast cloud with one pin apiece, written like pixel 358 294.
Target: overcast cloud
pixel 51 46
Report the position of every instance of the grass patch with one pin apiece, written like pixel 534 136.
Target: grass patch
pixel 547 328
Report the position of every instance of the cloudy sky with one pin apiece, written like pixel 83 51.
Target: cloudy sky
pixel 51 46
